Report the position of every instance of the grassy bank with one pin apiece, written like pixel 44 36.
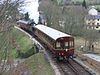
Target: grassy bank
pixel 22 41
pixel 34 65
pixel 12 41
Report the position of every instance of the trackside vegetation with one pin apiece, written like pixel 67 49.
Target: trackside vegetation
pixel 34 65
pixel 22 44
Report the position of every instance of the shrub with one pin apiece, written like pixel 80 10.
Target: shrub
pixel 27 54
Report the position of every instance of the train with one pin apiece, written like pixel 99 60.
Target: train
pixel 60 44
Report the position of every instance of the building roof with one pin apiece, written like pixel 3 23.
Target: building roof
pixel 53 33
pixel 93 11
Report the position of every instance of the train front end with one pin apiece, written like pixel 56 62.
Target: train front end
pixel 64 47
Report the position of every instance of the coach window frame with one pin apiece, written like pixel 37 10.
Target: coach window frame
pixel 59 45
pixel 66 45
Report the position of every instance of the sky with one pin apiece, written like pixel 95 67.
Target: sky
pixel 31 6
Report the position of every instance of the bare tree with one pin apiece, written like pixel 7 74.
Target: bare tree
pixel 64 17
pixel 8 13
pixel 90 36
pixel 52 13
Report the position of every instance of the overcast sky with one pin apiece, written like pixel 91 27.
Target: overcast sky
pixel 31 6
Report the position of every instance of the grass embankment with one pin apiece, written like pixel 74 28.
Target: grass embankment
pixel 34 65
pixel 22 39
pixel 22 42
pixel 12 41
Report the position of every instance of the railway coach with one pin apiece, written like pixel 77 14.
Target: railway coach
pixel 60 44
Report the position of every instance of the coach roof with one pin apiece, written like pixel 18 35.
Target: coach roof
pixel 53 33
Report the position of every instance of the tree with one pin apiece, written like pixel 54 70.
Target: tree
pixel 40 20
pixel 63 18
pixel 26 16
pixel 8 13
pixel 91 36
pixel 84 4
pixel 52 13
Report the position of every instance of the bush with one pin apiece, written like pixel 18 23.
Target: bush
pixel 27 54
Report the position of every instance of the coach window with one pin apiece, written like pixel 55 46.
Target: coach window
pixel 66 44
pixel 58 45
pixel 71 44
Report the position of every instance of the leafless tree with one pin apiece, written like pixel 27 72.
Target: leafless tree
pixel 90 36
pixel 52 13
pixel 68 19
pixel 8 13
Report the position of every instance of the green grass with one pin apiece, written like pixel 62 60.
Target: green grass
pixel 34 65
pixel 22 42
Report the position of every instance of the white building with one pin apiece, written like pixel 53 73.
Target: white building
pixel 93 19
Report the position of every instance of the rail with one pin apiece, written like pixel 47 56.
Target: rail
pixel 71 67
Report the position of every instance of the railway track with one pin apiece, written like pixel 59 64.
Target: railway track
pixel 65 70
pixel 70 67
